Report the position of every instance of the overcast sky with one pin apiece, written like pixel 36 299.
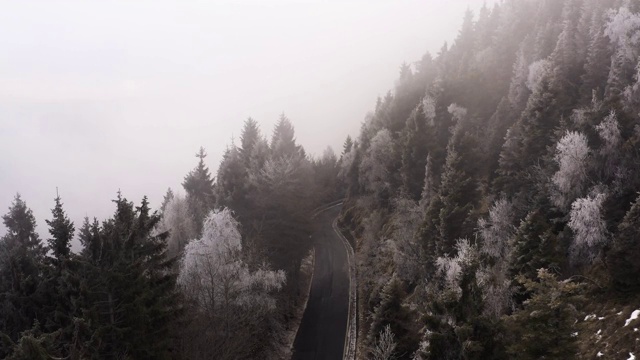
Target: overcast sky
pixel 97 96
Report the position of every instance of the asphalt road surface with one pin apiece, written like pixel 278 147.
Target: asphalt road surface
pixel 324 323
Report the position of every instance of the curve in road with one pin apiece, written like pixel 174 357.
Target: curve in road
pixel 323 328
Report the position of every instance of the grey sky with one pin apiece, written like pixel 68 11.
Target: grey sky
pixel 98 96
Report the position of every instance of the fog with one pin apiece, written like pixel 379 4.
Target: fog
pixel 100 96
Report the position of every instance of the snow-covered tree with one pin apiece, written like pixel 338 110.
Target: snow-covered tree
pixel 214 275
pixel 458 112
pixel 497 234
pixel 538 70
pixel 374 169
pixel 589 228
pixel 623 29
pixel 572 154
pixel 407 252
pixel 429 108
pixel 497 230
pixel 179 222
pixel 386 345
pixel 450 268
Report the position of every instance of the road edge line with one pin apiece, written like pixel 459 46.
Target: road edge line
pixel 306 303
pixel 349 352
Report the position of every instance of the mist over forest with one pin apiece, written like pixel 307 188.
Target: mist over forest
pixel 487 208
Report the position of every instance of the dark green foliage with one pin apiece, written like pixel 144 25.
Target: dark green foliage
pixel 61 230
pixel 523 75
pixel 625 251
pixel 544 328
pixel 414 153
pixel 536 246
pixel 130 298
pixel 199 187
pixel 391 311
pixel 21 271
pixel 283 142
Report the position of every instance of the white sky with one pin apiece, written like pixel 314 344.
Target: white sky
pixel 97 96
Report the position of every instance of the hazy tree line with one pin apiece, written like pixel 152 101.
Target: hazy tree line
pixel 497 186
pixel 211 274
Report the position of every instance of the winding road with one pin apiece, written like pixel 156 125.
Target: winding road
pixel 322 332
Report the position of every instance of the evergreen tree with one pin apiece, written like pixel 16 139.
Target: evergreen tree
pixel 130 290
pixel 62 280
pixel 22 256
pixel 414 153
pixel 346 147
pixel 544 328
pixel 624 267
pixel 167 198
pixel 199 187
pixel 61 230
pixel 248 139
pixel 391 312
pixel 283 142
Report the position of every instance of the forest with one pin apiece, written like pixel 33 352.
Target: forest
pixel 493 194
pixel 212 274
pixel 492 198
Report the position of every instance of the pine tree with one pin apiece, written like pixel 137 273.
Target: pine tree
pixel 414 153
pixel 346 147
pixel 167 198
pixel 61 230
pixel 21 269
pixel 544 328
pixel 625 249
pixel 283 142
pixel 130 290
pixel 62 279
pixel 536 246
pixel 199 187
pixel 391 312
pixel 248 138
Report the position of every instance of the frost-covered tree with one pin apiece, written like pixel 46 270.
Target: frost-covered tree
pixel 405 248
pixel 538 70
pixel 610 150
pixel 178 221
pixel 386 345
pixel 572 157
pixel 497 230
pixel 497 234
pixel 213 273
pixel 228 299
pixel 589 228
pixel 429 109
pixel 428 189
pixel 375 172
pixel 450 268
pixel 519 89
pixel 623 29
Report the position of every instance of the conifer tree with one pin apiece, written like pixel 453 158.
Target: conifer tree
pixel 283 142
pixel 625 250
pixel 22 256
pixel 61 230
pixel 199 187
pixel 544 328
pixel 414 153
pixel 131 297
pixel 248 138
